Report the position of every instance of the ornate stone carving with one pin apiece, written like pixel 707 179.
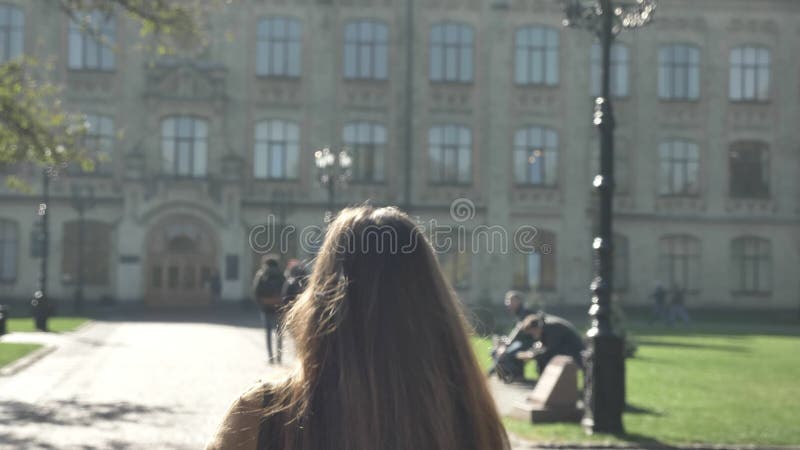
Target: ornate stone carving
pixel 751 205
pixel 680 204
pixel 698 24
pixel 535 99
pixel 366 95
pixel 749 116
pixel 189 80
pixel 689 114
pixel 278 92
pixel 451 98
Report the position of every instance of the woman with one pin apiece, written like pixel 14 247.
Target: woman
pixel 384 357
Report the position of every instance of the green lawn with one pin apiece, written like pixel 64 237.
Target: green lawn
pixel 55 324
pixel 11 351
pixel 714 383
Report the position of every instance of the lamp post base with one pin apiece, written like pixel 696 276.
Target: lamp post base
pixel 604 385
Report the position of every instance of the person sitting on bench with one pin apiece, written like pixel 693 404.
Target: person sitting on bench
pixel 553 336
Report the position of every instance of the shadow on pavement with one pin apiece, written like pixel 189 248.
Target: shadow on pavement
pixel 74 412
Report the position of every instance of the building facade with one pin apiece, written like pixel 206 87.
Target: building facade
pixel 463 112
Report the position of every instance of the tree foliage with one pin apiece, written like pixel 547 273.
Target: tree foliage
pixel 35 127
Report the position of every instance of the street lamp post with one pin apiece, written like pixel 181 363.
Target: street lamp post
pixel 82 200
pixel 40 303
pixel 332 168
pixel 604 394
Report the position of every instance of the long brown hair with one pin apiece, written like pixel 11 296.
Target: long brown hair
pixel 384 356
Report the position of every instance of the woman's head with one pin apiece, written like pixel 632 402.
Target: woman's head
pixel 385 361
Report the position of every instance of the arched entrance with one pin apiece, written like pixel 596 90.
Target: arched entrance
pixel 181 256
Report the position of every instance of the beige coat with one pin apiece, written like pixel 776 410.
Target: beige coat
pixel 239 427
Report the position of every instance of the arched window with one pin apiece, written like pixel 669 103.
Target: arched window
pixel 752 263
pixel 91 41
pixel 749 73
pixel 535 268
pixel 450 154
pixel 366 48
pixel 277 144
pixel 94 256
pixel 678 72
pixel 679 163
pixel 12 32
pixel 184 146
pixel 366 142
pixel 279 47
pixel 9 250
pixel 536 156
pixel 620 70
pixel 748 162
pixel 679 262
pixel 451 52
pixel 536 55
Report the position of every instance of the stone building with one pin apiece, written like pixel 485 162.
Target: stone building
pixel 448 107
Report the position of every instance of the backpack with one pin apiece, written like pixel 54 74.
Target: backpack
pixel 269 286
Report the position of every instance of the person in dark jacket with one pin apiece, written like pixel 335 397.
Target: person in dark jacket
pixel 267 286
pixel 504 354
pixel 296 278
pixel 553 336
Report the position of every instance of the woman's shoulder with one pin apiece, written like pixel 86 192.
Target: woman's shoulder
pixel 240 425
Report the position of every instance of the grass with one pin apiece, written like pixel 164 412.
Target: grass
pixel 711 383
pixel 10 352
pixel 54 324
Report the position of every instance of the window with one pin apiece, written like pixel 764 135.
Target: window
pixel 366 143
pixel 184 146
pixel 752 262
pixel 95 256
pixel 536 156
pixel 91 42
pixel 679 163
pixel 366 50
pixel 9 250
pixel 277 144
pixel 749 170
pixel 536 56
pixel 279 47
pixel 99 142
pixel 679 72
pixel 620 70
pixel 537 270
pixel 750 72
pixel 450 152
pixel 451 52
pixel 457 266
pixel 12 26
pixel 679 261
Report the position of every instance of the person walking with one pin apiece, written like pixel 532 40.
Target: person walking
pixel 267 286
pixel 384 356
pixel 296 278
pixel 677 307
pixel 659 296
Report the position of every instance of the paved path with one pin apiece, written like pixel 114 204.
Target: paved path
pixel 156 382
pixel 144 384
